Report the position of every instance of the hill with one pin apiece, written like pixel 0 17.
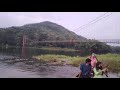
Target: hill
pixel 36 32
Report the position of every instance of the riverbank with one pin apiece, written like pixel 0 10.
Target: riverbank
pixel 111 60
pixel 44 48
pixel 58 49
pixel 34 68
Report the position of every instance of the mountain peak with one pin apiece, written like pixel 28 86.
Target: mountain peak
pixel 45 31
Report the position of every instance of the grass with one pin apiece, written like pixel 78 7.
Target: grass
pixel 57 48
pixel 53 48
pixel 112 60
pixel 45 48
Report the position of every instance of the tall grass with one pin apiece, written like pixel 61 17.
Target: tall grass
pixel 112 60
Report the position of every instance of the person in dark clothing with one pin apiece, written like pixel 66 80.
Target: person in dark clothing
pixel 85 69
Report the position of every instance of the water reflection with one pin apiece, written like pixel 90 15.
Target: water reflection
pixel 29 52
pixel 14 68
pixel 23 53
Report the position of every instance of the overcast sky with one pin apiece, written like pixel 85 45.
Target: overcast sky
pixel 107 28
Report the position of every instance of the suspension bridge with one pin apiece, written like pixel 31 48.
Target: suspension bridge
pixel 96 20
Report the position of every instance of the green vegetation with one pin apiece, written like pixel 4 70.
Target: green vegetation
pixel 112 60
pixel 48 31
pixel 36 32
pixel 58 49
pixel 115 49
